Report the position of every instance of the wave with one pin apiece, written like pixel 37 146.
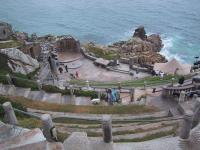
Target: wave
pixel 167 49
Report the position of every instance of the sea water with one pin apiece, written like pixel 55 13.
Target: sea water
pixel 108 21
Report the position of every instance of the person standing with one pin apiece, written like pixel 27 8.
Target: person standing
pixel 77 75
pixel 66 68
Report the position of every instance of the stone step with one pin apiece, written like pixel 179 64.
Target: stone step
pixel 36 95
pixel 52 98
pixel 24 92
pixel 22 139
pixel 8 131
pixel 117 129
pixel 7 90
pixel 142 135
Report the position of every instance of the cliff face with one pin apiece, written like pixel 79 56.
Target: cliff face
pixel 144 49
pixel 17 61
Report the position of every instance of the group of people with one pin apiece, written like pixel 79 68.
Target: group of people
pixel 113 96
pixel 76 75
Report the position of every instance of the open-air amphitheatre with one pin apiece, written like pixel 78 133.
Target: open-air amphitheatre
pixel 57 93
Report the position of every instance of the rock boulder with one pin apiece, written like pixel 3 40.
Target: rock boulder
pixel 18 61
pixel 144 49
pixel 5 30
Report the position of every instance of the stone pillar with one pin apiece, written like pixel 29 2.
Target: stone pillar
pixel 182 97
pixel 187 125
pixel 173 81
pixel 145 85
pixel 132 94
pixel 197 102
pixel 131 62
pixel 10 114
pixel 196 117
pixel 39 84
pixel 9 79
pixel 49 129
pixel 87 84
pixel 107 128
pixel 119 85
pixel 99 94
pixel 72 92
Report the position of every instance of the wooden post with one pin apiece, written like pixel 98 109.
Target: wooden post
pixel 10 114
pixel 107 128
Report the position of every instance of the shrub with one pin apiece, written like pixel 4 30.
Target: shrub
pixel 91 94
pixel 14 105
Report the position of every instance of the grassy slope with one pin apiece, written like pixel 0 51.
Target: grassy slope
pixel 99 52
pixel 10 44
pixel 136 83
pixel 130 109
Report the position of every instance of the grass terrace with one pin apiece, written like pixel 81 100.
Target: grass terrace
pixel 100 52
pixel 10 44
pixel 151 81
pixel 130 109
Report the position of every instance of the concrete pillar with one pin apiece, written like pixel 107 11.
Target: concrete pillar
pixel 99 94
pixel 173 81
pixel 39 84
pixel 145 85
pixel 182 97
pixel 9 79
pixel 187 125
pixel 119 85
pixel 49 129
pixel 132 94
pixel 72 93
pixel 195 96
pixel 197 102
pixel 107 128
pixel 87 84
pixel 10 114
pixel 196 117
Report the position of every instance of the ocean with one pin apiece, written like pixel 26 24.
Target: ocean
pixel 108 21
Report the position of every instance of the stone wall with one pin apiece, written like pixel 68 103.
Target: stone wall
pixel 68 43
pixel 32 49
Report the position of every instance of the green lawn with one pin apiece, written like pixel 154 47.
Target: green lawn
pixel 10 44
pixel 101 53
pixel 151 81
pixel 94 109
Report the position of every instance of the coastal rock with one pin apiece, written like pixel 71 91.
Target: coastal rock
pixel 22 36
pixel 144 49
pixel 5 31
pixel 140 32
pixel 18 61
pixel 155 39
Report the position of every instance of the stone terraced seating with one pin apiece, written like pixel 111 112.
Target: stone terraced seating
pixel 16 138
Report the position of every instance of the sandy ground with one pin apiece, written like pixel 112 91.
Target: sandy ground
pixel 88 71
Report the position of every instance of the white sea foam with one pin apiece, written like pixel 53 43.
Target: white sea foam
pixel 166 50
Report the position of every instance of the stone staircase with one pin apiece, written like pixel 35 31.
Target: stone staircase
pixel 17 138
pixel 122 131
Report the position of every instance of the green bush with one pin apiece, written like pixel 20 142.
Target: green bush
pixel 91 94
pixel 25 83
pixel 14 105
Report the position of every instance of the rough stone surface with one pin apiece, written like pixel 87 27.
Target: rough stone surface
pixel 140 32
pixel 18 61
pixel 142 48
pixel 5 30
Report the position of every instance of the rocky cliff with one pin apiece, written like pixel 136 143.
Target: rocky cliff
pixel 144 49
pixel 18 61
